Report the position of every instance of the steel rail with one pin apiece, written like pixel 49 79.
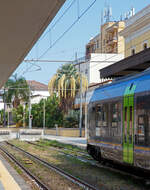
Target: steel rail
pixel 32 176
pixel 68 154
pixel 70 177
pixel 113 167
pixel 109 166
pixel 68 148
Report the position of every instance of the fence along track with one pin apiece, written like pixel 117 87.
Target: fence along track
pixel 33 177
pixel 57 170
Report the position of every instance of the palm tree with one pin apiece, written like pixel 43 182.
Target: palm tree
pixel 18 90
pixel 66 83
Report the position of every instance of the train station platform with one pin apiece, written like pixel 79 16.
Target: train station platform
pixel 9 178
pixel 77 141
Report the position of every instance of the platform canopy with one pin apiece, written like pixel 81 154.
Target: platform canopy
pixel 130 65
pixel 21 24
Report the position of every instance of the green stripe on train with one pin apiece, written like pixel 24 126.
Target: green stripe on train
pixel 128 124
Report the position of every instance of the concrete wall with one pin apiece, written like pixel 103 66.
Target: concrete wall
pixel 30 134
pixel 6 134
pixel 36 134
pixel 65 132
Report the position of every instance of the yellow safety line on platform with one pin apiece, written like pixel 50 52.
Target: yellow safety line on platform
pixel 7 180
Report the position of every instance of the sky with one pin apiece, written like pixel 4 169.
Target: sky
pixel 48 47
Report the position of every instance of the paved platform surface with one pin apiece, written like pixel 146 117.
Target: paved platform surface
pixel 78 141
pixel 9 178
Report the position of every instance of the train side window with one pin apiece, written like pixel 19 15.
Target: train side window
pixel 115 113
pixel 104 115
pixel 98 115
pixel 142 122
pixel 102 120
pixel 115 121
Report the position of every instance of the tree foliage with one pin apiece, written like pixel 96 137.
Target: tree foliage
pixel 71 120
pixel 66 82
pixel 53 114
pixel 17 90
pixel 20 115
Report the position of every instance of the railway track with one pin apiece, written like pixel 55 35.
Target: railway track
pixel 36 180
pixel 111 166
pixel 67 154
pixel 79 152
pixel 75 180
pixel 107 164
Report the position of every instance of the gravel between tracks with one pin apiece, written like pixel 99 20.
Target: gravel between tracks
pixel 100 177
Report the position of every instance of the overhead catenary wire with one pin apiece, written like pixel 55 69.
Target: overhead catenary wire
pixel 58 39
pixel 42 89
pixel 47 61
pixel 58 20
pixel 68 29
pixel 69 61
pixel 106 59
pixel 115 54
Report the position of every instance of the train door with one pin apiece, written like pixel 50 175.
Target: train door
pixel 128 124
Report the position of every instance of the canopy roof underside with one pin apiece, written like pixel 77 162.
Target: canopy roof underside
pixel 22 23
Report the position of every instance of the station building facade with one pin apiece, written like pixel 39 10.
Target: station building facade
pixel 137 32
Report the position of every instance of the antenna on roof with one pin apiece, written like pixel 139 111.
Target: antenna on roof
pixel 102 17
pixel 129 13
pixel 107 13
pixel 121 17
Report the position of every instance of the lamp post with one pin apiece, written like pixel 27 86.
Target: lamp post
pixel 4 116
pixel 44 119
pixel 80 121
pixel 8 111
pixel 24 114
pixel 44 114
pixel 30 116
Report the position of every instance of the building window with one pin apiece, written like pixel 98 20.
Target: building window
pixel 97 44
pixel 132 51
pixel 144 46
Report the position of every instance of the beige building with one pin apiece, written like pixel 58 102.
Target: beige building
pixel 137 32
pixel 109 39
pixel 94 45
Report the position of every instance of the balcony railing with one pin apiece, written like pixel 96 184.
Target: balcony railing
pixel 82 59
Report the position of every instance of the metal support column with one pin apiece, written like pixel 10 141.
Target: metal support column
pixel 30 119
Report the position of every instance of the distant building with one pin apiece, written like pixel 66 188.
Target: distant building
pixel 108 40
pixel 91 67
pixel 137 46
pixel 38 91
pixel 103 50
pixel 137 32
pixel 111 41
pixel 94 46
